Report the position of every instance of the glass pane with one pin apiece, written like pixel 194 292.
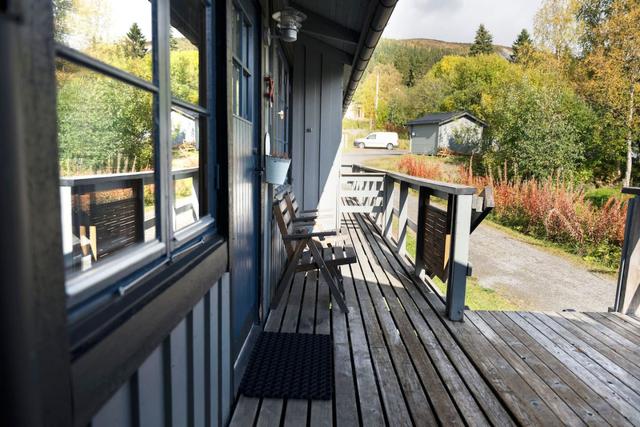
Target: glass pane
pixel 237 79
pixel 185 167
pixel 106 160
pixel 237 34
pixel 246 96
pixel 117 32
pixel 246 42
pixel 186 44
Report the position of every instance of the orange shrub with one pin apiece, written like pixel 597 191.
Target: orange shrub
pixel 421 168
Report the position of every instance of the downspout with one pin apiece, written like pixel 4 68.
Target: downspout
pixel 380 13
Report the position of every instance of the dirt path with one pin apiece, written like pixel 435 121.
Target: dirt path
pixel 531 276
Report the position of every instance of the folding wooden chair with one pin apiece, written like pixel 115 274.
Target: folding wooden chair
pixel 297 214
pixel 305 253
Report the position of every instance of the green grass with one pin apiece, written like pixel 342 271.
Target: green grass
pixel 477 297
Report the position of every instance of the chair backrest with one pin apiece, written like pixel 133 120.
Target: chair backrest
pixel 281 213
pixel 292 204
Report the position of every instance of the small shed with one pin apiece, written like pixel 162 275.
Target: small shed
pixel 452 130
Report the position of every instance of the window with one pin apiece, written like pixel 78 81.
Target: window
pixel 133 112
pixel 241 86
pixel 372 136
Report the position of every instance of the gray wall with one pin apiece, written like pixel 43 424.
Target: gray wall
pixel 425 140
pixel 187 379
pixel 317 126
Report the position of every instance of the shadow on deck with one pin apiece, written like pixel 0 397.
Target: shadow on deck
pixel 397 361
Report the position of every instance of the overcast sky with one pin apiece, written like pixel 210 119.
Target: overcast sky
pixel 457 20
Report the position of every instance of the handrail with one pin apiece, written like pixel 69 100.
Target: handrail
pixel 70 181
pixel 443 187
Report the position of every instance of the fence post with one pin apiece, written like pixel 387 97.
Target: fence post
pixel 628 290
pixel 388 202
pixel 403 207
pixel 459 256
pixel 423 200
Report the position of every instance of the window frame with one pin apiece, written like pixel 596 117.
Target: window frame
pixel 124 270
pixel 243 63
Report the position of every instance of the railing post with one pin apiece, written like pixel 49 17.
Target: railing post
pixel 423 199
pixel 403 204
pixel 388 202
pixel 628 290
pixel 459 257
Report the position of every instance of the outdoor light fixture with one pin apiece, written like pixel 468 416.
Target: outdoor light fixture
pixel 289 22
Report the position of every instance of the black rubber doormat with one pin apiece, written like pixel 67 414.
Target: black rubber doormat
pixel 291 366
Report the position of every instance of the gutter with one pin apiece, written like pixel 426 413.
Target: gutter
pixel 380 13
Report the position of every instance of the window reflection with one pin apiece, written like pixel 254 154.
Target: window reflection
pixel 106 161
pixel 186 44
pixel 117 32
pixel 185 167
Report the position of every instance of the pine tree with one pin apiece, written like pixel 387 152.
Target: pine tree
pixel 135 44
pixel 522 48
pixel 483 43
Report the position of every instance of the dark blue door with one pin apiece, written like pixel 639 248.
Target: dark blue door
pixel 245 233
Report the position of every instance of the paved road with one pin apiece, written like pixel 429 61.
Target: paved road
pixel 533 277
pixel 362 155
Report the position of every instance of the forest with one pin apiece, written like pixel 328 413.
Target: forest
pixel 561 102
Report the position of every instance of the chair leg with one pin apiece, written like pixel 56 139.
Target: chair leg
pixel 335 292
pixel 290 271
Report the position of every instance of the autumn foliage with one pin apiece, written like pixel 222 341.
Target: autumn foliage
pixel 548 209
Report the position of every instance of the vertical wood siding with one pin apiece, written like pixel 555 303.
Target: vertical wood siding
pixel 245 233
pixel 317 127
pixel 186 380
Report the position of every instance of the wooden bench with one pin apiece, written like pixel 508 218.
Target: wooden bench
pixel 306 253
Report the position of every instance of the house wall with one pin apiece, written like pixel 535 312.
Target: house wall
pixel 424 139
pixel 186 380
pixel 447 134
pixel 317 127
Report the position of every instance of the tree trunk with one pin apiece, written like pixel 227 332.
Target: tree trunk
pixel 627 175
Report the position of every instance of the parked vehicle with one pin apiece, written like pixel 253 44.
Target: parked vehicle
pixel 388 140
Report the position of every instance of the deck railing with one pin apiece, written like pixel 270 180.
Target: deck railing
pixel 446 215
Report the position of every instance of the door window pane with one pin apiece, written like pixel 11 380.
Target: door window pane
pixel 186 44
pixel 117 32
pixel 106 160
pixel 186 171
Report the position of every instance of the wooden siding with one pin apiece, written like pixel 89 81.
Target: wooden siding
pixel 398 361
pixel 187 379
pixel 245 231
pixel 317 127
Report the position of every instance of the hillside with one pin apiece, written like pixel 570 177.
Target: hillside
pixel 414 57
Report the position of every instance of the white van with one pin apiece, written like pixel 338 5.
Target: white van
pixel 388 140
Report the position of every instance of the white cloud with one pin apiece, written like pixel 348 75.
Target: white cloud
pixel 457 20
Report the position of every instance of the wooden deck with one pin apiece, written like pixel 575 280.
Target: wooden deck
pixel 398 362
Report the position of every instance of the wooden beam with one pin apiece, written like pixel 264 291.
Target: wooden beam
pixel 311 39
pixel 319 25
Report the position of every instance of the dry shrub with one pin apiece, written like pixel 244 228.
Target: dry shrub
pixel 414 166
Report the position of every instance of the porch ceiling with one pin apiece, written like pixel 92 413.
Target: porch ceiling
pixel 353 27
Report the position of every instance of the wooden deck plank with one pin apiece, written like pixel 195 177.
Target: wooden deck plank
pixel 370 407
pixel 617 326
pixel 390 385
pixel 322 410
pixel 617 342
pixel 523 401
pixel 437 392
pixel 532 349
pixel 585 369
pixel 600 358
pixel 245 412
pixel 452 363
pixel 432 308
pixel 546 391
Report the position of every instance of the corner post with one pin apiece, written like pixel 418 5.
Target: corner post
pixel 628 290
pixel 459 257
pixel 388 202
pixel 403 207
